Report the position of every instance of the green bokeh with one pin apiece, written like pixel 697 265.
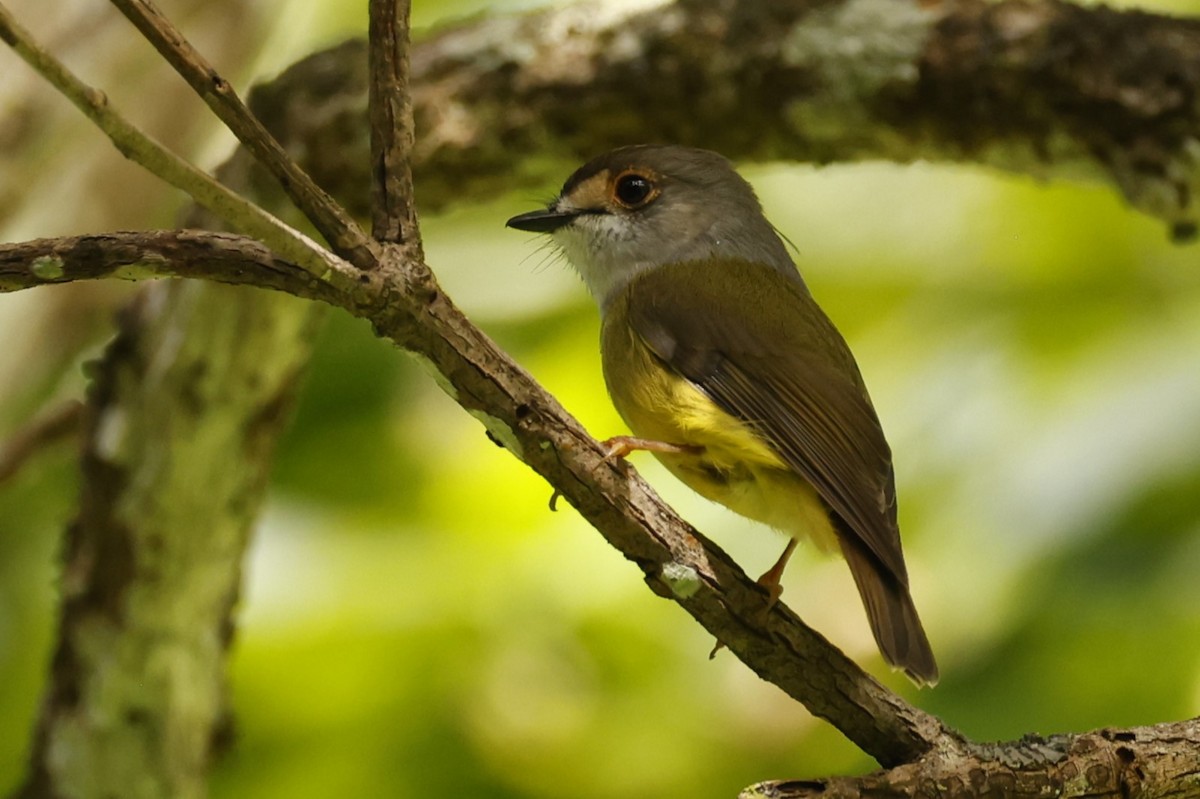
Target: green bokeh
pixel 416 622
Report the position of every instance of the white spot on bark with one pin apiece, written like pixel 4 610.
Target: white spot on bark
pixel 47 267
pixel 683 580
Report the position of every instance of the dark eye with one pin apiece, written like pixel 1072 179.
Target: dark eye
pixel 633 190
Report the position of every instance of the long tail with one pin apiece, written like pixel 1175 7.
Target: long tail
pixel 893 617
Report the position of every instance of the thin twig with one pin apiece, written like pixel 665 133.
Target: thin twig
pixel 343 234
pixel 394 214
pixel 42 431
pixel 142 149
pixel 144 254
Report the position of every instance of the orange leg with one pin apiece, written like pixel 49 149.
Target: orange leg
pixel 772 581
pixel 772 577
pixel 618 447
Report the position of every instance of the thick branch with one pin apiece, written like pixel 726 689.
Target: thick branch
pixel 1037 87
pixel 187 406
pixel 182 417
pixel 1157 762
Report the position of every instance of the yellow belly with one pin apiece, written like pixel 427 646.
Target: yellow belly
pixel 736 466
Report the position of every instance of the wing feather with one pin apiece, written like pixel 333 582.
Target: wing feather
pixel 784 369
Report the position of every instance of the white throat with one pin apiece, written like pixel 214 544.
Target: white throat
pixel 601 250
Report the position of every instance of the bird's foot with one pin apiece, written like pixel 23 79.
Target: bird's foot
pixel 772 580
pixel 619 447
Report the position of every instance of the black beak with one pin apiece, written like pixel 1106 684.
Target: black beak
pixel 547 220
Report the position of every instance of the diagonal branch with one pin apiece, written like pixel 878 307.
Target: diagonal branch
pixel 405 303
pixel 58 422
pixel 677 561
pixel 342 232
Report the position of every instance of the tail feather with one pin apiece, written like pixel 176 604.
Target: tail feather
pixel 893 617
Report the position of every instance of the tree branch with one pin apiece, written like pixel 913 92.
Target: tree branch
pixel 186 408
pixel 1038 87
pixel 47 428
pixel 1157 762
pixel 406 305
pixel 342 232
pixel 140 148
pixel 679 563
pixel 394 212
pixel 182 416
pixel 139 255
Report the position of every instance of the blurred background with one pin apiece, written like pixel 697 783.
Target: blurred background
pixel 416 621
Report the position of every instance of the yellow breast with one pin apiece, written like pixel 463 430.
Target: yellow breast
pixel 736 466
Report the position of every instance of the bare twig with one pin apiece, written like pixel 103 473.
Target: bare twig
pixel 43 430
pixel 140 255
pixel 394 212
pixel 342 232
pixel 138 147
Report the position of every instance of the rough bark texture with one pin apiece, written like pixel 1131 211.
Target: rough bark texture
pixel 1039 87
pixel 394 217
pixel 186 407
pixel 138 255
pixel 152 570
pixel 179 435
pixel 1145 762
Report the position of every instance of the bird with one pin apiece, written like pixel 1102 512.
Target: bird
pixel 719 360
